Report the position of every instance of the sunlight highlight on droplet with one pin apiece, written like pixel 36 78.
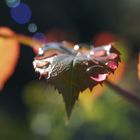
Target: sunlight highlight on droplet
pixel 32 27
pixel 12 3
pixel 76 47
pixel 21 14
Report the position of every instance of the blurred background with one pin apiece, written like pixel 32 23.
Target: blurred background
pixel 32 110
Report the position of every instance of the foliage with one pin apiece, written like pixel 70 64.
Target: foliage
pixel 102 120
pixel 73 70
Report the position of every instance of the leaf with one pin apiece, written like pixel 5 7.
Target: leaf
pixel 118 73
pixel 9 53
pixel 71 71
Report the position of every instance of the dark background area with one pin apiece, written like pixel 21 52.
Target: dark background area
pixel 86 17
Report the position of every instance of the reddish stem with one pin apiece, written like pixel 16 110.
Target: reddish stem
pixel 34 43
pixel 131 97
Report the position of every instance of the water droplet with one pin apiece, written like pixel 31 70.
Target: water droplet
pixel 112 65
pixel 40 51
pixel 76 47
pixel 113 56
pixel 43 64
pixel 97 73
pixel 100 77
pixel 91 53
pixel 107 48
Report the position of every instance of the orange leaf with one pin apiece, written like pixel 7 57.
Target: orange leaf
pixel 118 73
pixel 9 53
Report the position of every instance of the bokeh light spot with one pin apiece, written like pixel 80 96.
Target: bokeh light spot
pixel 12 3
pixel 104 38
pixel 32 27
pixel 39 36
pixel 41 124
pixel 21 14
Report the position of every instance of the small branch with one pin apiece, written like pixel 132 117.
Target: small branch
pixel 138 66
pixel 34 43
pixel 131 97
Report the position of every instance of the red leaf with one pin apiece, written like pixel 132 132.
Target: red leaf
pixel 71 70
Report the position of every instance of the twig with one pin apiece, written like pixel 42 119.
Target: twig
pixel 131 97
pixel 138 66
pixel 34 43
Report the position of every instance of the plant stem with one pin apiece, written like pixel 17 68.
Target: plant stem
pixel 34 43
pixel 138 66
pixel 131 97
